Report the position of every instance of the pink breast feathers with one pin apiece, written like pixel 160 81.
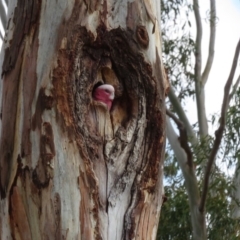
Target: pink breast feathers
pixel 104 94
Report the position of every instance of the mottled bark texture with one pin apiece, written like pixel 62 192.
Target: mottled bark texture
pixel 70 169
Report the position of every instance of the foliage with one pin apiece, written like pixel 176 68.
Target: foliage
pixel 175 215
pixel 178 46
pixel 219 221
pixel 231 144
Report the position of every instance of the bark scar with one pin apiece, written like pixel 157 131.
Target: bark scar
pixel 43 102
pixel 142 36
pixel 44 170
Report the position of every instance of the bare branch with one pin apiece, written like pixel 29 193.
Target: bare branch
pixel 3 15
pixel 183 139
pixel 235 86
pixel 1 35
pixel 190 182
pixel 198 50
pixel 179 152
pixel 182 115
pixel 219 132
pixel 199 86
pixel 212 20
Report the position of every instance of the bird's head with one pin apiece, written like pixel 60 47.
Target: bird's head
pixel 104 94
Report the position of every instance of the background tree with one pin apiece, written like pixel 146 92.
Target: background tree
pixel 197 187
pixel 69 167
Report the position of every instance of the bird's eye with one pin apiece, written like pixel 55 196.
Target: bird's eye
pixel 107 91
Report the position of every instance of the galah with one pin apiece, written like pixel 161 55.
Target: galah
pixel 104 94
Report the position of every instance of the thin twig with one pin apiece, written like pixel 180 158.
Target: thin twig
pixel 183 139
pixel 219 131
pixel 210 58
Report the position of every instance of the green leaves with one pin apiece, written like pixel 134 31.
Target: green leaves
pixel 178 46
pixel 175 216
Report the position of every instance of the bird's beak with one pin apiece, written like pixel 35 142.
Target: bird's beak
pixel 112 96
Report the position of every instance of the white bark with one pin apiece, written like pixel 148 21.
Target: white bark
pixel 197 218
pixel 55 187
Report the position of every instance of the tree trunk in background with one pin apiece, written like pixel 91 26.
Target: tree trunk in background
pixel 69 168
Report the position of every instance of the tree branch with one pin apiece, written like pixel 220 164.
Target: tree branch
pixel 3 15
pixel 211 42
pixel 183 139
pixel 235 86
pixel 199 86
pixel 190 182
pixel 219 132
pixel 1 36
pixel 182 115
pixel 198 50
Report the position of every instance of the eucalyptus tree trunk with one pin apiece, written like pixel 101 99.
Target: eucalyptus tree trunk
pixel 69 168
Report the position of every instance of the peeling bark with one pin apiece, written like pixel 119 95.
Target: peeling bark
pixel 70 169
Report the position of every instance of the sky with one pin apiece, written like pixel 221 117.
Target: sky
pixel 227 36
